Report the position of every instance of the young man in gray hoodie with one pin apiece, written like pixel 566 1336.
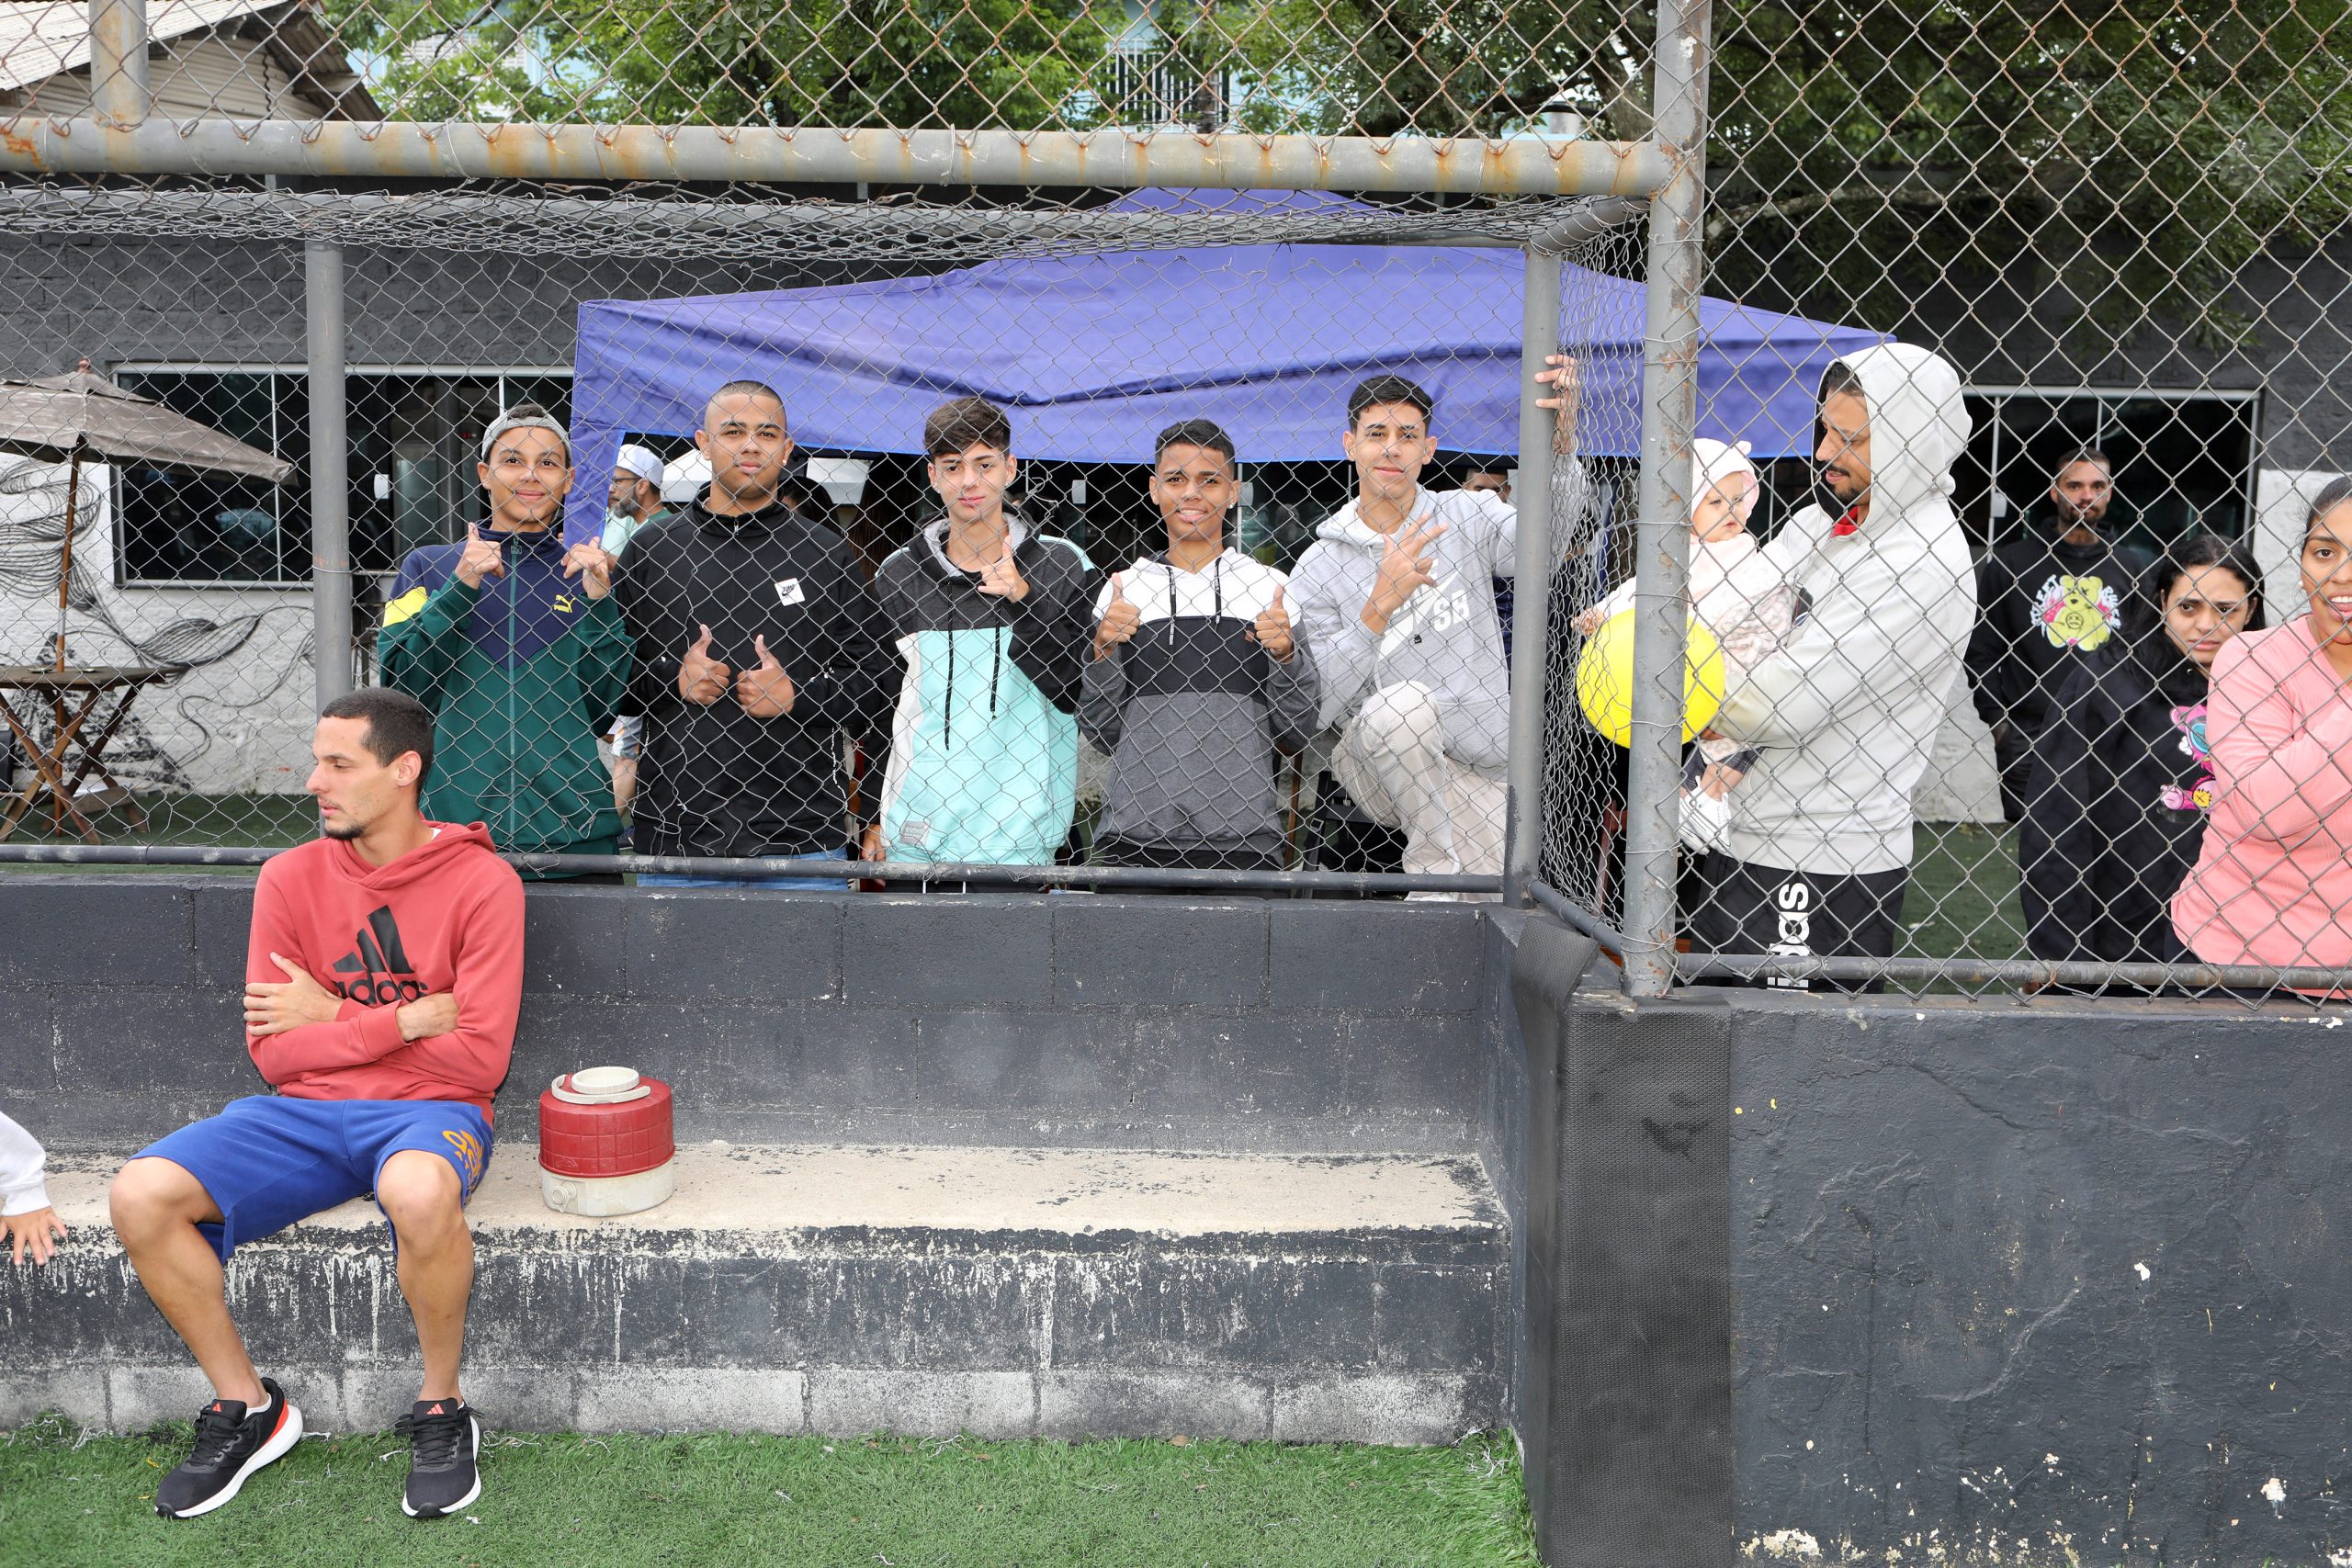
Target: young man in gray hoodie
pixel 1195 681
pixel 1396 600
pixel 1844 716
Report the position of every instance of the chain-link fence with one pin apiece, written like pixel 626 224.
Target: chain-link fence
pixel 1194 411
pixel 2081 273
pixel 2009 740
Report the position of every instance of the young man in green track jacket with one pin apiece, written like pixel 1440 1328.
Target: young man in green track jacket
pixel 518 647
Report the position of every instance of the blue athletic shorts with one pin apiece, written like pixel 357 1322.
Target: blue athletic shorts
pixel 268 1162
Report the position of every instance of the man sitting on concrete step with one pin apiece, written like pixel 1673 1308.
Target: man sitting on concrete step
pixel 382 978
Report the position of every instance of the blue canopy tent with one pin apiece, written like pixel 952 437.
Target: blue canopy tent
pixel 1094 353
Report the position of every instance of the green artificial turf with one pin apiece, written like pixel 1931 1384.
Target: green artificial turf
pixel 1962 900
pixel 195 821
pixel 728 1499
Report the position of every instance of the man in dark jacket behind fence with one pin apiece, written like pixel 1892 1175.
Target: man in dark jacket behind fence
pixel 755 651
pixel 2047 602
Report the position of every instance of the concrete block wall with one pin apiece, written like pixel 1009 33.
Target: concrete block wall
pixel 2071 1279
pixel 2019 1281
pixel 1307 1031
pixel 1283 1025
pixel 1357 1299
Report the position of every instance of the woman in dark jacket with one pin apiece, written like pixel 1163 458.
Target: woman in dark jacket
pixel 2120 785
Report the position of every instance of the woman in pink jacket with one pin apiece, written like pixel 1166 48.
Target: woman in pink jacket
pixel 2273 883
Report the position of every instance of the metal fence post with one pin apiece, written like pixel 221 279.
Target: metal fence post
pixel 1669 413
pixel 1531 596
pixel 118 86
pixel 330 487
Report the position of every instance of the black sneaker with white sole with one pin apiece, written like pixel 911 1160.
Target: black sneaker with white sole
pixel 444 1444
pixel 231 1442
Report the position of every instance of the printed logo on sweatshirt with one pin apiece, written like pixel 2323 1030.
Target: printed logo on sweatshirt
pixel 2080 612
pixel 2198 796
pixel 378 967
pixel 1437 608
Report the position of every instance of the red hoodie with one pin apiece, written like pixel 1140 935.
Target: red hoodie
pixel 445 916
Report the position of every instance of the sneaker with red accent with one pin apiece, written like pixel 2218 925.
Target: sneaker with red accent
pixel 231 1442
pixel 444 1443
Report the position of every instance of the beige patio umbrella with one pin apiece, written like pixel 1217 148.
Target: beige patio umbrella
pixel 68 418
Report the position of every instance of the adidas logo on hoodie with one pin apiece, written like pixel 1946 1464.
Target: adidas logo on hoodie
pixel 378 966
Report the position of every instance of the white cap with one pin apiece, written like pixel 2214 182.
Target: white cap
pixel 682 481
pixel 640 461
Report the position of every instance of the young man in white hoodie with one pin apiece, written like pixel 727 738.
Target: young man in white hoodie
pixel 1396 600
pixel 1844 713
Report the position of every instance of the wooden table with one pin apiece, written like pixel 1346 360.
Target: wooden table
pixel 72 694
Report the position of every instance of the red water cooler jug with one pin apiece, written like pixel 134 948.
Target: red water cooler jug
pixel 605 1142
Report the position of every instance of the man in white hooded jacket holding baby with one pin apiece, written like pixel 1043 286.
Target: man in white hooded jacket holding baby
pixel 1843 714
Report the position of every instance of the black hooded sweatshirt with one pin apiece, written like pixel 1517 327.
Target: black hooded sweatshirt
pixel 2120 786
pixel 2043 608
pixel 715 780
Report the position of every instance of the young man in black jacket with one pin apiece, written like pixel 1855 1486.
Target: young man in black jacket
pixel 995 620
pixel 2046 601
pixel 755 650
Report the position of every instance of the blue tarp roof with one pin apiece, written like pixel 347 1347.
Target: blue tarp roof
pixel 1094 355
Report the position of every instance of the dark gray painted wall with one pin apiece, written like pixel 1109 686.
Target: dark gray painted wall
pixel 1277 1024
pixel 2067 1272
pixel 2000 332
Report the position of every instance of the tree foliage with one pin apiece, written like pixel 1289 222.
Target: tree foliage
pixel 815 63
pixel 2130 154
pixel 2118 157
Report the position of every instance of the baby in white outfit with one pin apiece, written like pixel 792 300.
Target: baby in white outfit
pixel 1736 593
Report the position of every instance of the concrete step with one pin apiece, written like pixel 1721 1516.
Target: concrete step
pixel 1007 1292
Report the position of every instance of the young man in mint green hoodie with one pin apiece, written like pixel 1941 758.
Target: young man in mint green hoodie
pixel 994 621
pixel 516 646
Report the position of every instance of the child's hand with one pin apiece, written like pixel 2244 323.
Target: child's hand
pixel 38 1230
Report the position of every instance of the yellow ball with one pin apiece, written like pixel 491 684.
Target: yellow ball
pixel 1605 678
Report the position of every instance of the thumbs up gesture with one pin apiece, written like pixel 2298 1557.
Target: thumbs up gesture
pixel 702 680
pixel 1119 618
pixel 482 559
pixel 1271 631
pixel 764 689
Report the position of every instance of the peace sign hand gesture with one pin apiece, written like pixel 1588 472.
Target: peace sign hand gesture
pixel 1406 564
